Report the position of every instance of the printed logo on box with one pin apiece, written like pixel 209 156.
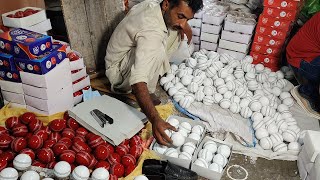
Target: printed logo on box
pixel 43 47
pixel 36 50
pixel 16 49
pixel 18 32
pixel 22 65
pixel 269 50
pixel 48 64
pixel 30 67
pixel 283 14
pixel 270 2
pixel 258 48
pixel 264 20
pixel 22 37
pixel 260 39
pixel 272 42
pixel 1 63
pixel 2 45
pixel 269 11
pixel 262 29
pixel 9 75
pixel 2 74
pixel 266 60
pixel 284 4
pixel 277 23
pixel 274 32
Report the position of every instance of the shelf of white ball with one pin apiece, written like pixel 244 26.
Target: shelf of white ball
pixel 211 158
pixel 185 141
pixel 251 90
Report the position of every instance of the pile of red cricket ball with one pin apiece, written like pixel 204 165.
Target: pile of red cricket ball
pixel 65 140
pixel 21 14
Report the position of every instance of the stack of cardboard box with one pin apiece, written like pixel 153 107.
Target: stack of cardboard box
pixel 30 18
pixel 195 25
pixel 273 28
pixel 236 34
pixel 36 73
pixel 309 158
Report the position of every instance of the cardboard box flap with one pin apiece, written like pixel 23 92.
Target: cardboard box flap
pixel 127 120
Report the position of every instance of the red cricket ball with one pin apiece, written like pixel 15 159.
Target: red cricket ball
pixel 45 155
pixel 89 135
pixel 3 164
pixel 101 152
pixel 29 134
pixel 80 146
pixel 93 162
pixel 79 138
pixel 114 158
pixel 135 140
pixel 66 115
pixel 136 151
pixel 58 125
pixel 81 132
pixel 8 156
pixel 30 152
pixel 66 141
pixel 103 164
pixel 73 124
pixel 5 141
pixel 129 169
pixel 83 158
pixel 110 147
pixel 35 142
pixel 3 130
pixel 20 130
pixel 51 165
pixel 18 144
pixel 55 136
pixel 117 169
pixel 11 122
pixel 68 156
pixel 128 160
pixel 27 117
pixel 68 132
pixel 59 148
pixel 95 141
pixel 113 177
pixel 38 164
pixel 126 142
pixel 43 134
pixel 122 150
pixel 46 129
pixel 48 143
pixel 34 125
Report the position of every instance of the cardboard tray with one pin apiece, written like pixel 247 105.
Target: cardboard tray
pixel 25 21
pixel 204 172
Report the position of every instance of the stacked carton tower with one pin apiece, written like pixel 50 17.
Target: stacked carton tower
pixel 309 157
pixel 236 34
pixel 272 31
pixel 36 73
pixel 30 18
pixel 195 25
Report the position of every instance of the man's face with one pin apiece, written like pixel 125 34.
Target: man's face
pixel 176 17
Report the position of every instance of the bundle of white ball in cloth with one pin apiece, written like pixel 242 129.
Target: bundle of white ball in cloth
pixel 242 87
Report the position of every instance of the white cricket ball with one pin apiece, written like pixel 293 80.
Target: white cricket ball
pixel 276 138
pixel 194 136
pixel 235 99
pixel 225 103
pixel 161 149
pixel 141 177
pixel 218 82
pixel 281 147
pixel 31 175
pixel 185 155
pixel 288 101
pixel 171 152
pixel 289 136
pixel 266 143
pixel 294 146
pixel 174 122
pixel 62 169
pixel 198 129
pixel 235 108
pixel 22 162
pixel 9 173
pixel 220 159
pixel 185 126
pixel 177 139
pixel 284 95
pixel 205 154
pixel 257 116
pixel 255 106
pixel 258 125
pixel 201 162
pixel 100 174
pixel 216 167
pixel 246 112
pixel 261 133
pixel 217 97
pixel 224 150
pixel 282 107
pixel 210 146
pixel 189 147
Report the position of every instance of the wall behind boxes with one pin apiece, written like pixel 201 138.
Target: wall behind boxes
pixel 90 25
pixel 16 4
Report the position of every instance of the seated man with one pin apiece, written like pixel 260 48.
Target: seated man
pixel 139 49
pixel 303 55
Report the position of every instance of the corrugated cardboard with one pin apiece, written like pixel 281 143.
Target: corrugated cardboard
pixel 216 20
pixel 236 37
pixel 242 28
pixel 312 144
pixel 81 84
pixel 236 55
pixel 208 46
pixel 14 97
pixel 79 74
pixel 16 105
pixel 209 28
pixel 213 38
pixel 41 27
pixel 11 86
pixel 234 46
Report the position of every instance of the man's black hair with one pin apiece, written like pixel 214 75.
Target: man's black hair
pixel 195 5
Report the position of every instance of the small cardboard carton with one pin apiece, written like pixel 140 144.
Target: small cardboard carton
pixel 199 14
pixel 195 23
pixel 269 41
pixel 41 27
pixel 213 38
pixel 283 4
pixel 275 52
pixel 181 162
pixel 15 105
pixel 215 20
pixel 241 28
pixel 62 101
pixel 196 47
pixel 303 156
pixel 315 171
pixel 268 61
pixel 271 32
pixel 44 63
pixel 234 54
pixel 289 15
pixel 234 46
pixel 312 145
pixel 25 44
pixel 77 98
pixel 274 22
pixel 11 86
pixel 78 74
pixel 78 85
pixel 77 64
pixel 205 172
pixel 14 97
pixel 208 46
pixel 302 169
pixel 196 31
pixel 209 28
pixel 25 21
pixel 196 39
pixel 236 37
pixel 6 62
pixel 58 77
pixel 10 75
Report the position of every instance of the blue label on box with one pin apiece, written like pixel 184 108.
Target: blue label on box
pixel 42 64
pixel 6 62
pixel 25 44
pixel 10 75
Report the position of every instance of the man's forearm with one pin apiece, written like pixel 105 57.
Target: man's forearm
pixel 140 90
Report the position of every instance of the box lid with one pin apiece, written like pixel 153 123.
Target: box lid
pixel 127 120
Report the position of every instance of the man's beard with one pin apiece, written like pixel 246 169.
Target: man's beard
pixel 168 21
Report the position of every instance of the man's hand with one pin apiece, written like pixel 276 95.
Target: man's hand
pixel 158 128
pixel 186 30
